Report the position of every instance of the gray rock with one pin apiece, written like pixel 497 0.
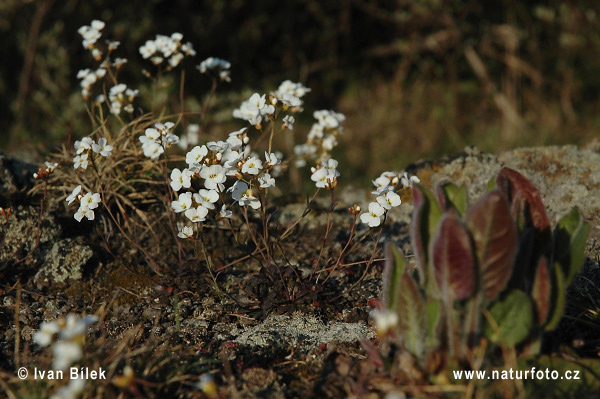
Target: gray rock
pixel 64 263
pixel 301 330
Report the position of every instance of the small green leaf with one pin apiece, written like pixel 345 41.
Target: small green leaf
pixel 512 317
pixel 451 196
pixel 394 267
pixel 453 259
pixel 570 237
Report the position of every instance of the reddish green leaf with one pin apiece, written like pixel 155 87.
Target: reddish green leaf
pixel 542 290
pixel 525 199
pixel 394 267
pixel 452 256
pixel 495 238
pixel 426 216
pixel 411 315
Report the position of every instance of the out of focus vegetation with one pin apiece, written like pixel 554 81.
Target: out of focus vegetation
pixel 414 78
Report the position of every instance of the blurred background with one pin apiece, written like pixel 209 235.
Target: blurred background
pixel 415 79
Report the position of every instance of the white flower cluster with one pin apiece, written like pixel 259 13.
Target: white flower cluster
pixel 91 33
pixel 220 66
pixel 290 94
pixel 88 79
pixel 167 47
pixel 120 97
pixel 322 137
pixel 325 174
pixel 386 199
pixel 87 146
pixel 258 108
pixel 254 110
pixel 214 163
pixel 156 139
pixel 87 203
pixel 71 332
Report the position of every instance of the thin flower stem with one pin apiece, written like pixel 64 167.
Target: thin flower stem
pixel 213 90
pixel 306 211
pixel 343 251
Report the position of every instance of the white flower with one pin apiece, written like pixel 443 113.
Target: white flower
pixel 207 198
pixel 91 201
pixel 408 182
pixel 82 212
pixel 291 88
pixel 80 161
pixel 389 200
pixel 272 159
pixel 288 122
pixel 225 213
pixel 152 150
pixel 213 63
pixel 102 148
pixel 244 195
pixel 266 181
pixel 252 166
pixel 73 195
pixel 65 353
pixel 254 110
pixel 197 214
pixel 180 179
pixel 84 144
pixel 385 320
pixel 326 175
pixel 44 336
pixel 148 49
pixel 214 177
pixel 183 203
pixel 196 154
pixel 186 232
pixel 75 325
pixel 373 216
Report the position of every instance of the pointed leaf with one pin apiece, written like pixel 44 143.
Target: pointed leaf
pixel 525 199
pixel 393 270
pixel 451 196
pixel 411 315
pixel 542 291
pixel 559 298
pixel 426 216
pixel 453 260
pixel 495 238
pixel 512 319
pixel 570 237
